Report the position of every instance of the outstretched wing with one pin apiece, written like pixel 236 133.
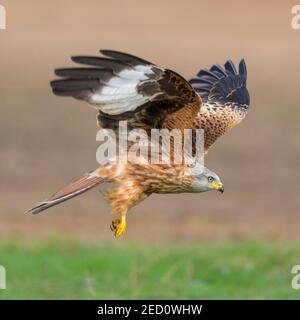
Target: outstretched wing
pixel 125 87
pixel 225 99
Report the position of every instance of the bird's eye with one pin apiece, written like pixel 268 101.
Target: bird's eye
pixel 210 179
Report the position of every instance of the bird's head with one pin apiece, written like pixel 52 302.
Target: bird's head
pixel 206 180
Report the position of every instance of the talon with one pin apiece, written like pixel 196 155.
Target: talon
pixel 114 224
pixel 118 226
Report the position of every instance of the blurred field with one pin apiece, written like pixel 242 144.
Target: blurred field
pixel 47 141
pixel 70 270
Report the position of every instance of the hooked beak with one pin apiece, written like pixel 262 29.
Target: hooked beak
pixel 221 189
pixel 217 186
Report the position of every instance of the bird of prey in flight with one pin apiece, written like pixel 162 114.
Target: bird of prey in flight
pixel 123 87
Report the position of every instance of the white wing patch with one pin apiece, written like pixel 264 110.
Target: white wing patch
pixel 120 94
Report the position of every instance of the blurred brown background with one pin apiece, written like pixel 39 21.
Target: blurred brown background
pixel 47 141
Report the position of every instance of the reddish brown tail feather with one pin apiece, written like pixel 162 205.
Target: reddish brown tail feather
pixel 75 188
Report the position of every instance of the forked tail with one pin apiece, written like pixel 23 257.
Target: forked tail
pixel 75 188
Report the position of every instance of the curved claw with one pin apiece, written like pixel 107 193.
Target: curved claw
pixel 118 226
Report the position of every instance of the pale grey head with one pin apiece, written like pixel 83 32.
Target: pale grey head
pixel 206 180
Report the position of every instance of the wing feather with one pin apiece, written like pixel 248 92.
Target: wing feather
pixel 223 85
pixel 225 99
pixel 230 67
pixel 124 87
pixel 125 57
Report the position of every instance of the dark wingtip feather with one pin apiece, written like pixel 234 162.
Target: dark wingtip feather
pixel 243 68
pixel 223 85
pixel 216 68
pixel 87 60
pixel 206 72
pixel 82 81
pixel 229 66
pixel 83 73
pixel 124 57
pixel 74 84
pixel 74 58
pixel 77 88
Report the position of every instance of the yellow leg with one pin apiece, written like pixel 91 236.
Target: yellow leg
pixel 118 226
